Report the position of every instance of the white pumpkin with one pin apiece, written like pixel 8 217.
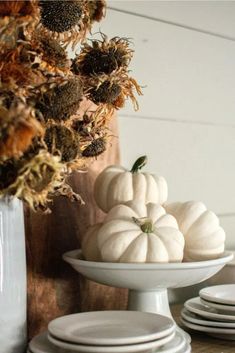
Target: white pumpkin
pixel 116 185
pixel 90 249
pixel 140 233
pixel 204 238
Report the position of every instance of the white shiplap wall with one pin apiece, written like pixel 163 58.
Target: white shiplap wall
pixel 185 55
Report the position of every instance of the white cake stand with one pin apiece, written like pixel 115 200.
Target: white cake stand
pixel 148 283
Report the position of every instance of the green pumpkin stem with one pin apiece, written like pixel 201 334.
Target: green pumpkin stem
pixel 145 224
pixel 139 163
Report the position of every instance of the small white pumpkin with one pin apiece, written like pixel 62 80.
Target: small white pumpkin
pixel 115 185
pixel 140 233
pixel 90 249
pixel 204 238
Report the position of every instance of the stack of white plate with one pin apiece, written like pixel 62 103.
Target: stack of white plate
pixel 213 312
pixel 111 332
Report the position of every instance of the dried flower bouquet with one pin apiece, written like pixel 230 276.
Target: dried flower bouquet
pixel 44 132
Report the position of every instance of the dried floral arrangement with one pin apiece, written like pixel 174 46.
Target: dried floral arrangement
pixel 44 136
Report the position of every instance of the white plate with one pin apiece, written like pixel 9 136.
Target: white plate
pixel 222 309
pixel 222 294
pixel 41 344
pixel 131 348
pixel 196 319
pixel 111 327
pixel 195 305
pixel 176 345
pixel 228 334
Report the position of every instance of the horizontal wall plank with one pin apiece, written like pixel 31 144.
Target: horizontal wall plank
pixel 188 76
pixel 198 161
pixel 213 16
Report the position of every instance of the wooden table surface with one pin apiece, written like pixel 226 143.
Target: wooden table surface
pixel 202 343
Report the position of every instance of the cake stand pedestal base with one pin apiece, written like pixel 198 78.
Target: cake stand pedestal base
pixel 154 301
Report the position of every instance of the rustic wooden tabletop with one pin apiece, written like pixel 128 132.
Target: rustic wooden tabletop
pixel 201 342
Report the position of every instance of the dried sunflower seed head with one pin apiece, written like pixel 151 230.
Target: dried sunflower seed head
pixel 96 147
pixel 61 101
pixel 103 57
pixel 107 93
pixel 60 139
pixel 60 16
pixel 53 53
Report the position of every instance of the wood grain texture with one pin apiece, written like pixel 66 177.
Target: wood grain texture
pixel 55 289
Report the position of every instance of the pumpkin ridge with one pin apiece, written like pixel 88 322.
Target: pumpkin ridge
pixel 173 230
pixel 132 244
pixel 121 234
pixel 199 219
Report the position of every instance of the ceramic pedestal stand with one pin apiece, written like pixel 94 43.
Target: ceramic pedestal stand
pixel 148 283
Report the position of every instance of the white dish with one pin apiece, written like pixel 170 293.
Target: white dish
pixel 131 348
pixel 196 319
pixel 222 309
pixel 147 282
pixel 228 334
pixel 195 305
pixel 222 294
pixel 41 344
pixel 111 327
pixel 146 276
pixel 176 345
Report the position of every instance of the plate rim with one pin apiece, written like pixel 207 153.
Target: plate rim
pixel 211 298
pixel 184 314
pixel 218 306
pixel 207 314
pixel 141 347
pixel 208 329
pixel 61 335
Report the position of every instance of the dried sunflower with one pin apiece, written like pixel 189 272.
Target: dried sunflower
pixel 45 56
pixel 63 20
pixel 54 54
pixel 19 68
pixel 18 126
pixel 63 141
pixel 95 148
pixel 61 100
pixel 18 20
pixel 36 179
pixel 112 90
pixel 103 57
